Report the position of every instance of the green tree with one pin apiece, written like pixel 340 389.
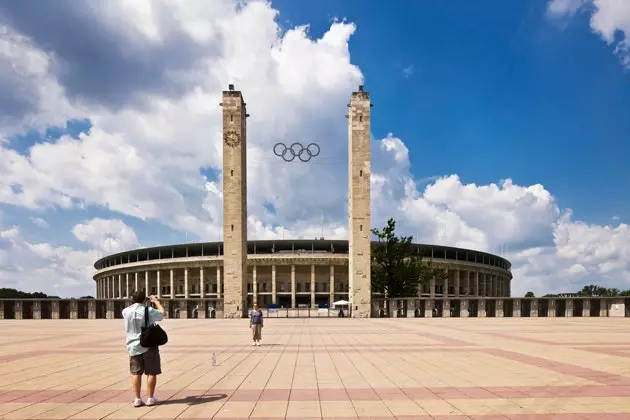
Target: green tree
pixel 594 290
pixel 530 294
pixel 6 293
pixel 397 267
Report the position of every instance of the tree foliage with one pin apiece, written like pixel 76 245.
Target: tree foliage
pixel 397 266
pixel 530 294
pixel 17 294
pixel 594 290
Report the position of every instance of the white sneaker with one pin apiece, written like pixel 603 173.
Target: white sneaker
pixel 258 343
pixel 254 343
pixel 152 401
pixel 138 402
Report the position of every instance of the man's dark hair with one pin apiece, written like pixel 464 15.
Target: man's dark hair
pixel 138 296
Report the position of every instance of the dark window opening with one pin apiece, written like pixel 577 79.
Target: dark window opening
pixel 361 172
pixel 231 172
pixel 232 227
pixel 361 228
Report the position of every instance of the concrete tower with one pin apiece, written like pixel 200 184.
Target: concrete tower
pixel 359 212
pixel 234 204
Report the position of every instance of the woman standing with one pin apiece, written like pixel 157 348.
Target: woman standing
pixel 256 324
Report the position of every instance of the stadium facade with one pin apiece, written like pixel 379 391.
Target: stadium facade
pixel 282 273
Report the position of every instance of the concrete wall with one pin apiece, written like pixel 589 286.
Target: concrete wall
pixel 398 308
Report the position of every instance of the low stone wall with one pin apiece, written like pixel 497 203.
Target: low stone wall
pixel 462 307
pixel 490 307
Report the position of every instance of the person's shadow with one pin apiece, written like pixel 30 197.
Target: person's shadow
pixel 195 399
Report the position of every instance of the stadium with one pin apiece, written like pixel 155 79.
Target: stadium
pixel 291 274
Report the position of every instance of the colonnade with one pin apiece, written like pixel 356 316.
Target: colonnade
pixel 484 283
pixel 285 285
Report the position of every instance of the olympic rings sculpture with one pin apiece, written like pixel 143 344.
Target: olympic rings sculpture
pixel 296 150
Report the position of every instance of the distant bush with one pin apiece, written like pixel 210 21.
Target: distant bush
pixel 16 294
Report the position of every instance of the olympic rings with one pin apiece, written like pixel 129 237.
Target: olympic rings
pixel 296 150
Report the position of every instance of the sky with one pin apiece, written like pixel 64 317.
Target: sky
pixel 498 126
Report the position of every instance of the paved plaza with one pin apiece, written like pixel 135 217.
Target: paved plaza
pixel 563 368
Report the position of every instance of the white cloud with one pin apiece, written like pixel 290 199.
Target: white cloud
pixel 39 222
pixel 408 71
pixel 155 130
pixel 610 19
pixel 106 235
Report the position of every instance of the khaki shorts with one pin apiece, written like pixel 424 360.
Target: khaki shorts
pixel 148 363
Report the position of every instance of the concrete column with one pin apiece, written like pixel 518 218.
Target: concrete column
pixel 428 308
pixel 18 310
pixel 254 286
pixel 411 308
pixel 234 204
pixel 92 309
pixel 219 282
pixel 120 294
pixel 331 290
pixel 495 282
pixel 106 279
pixel 37 309
pixel 186 291
pixel 446 308
pixel 274 299
pixel 292 285
pixel 603 307
pixel 55 308
pixel 586 308
pixel 445 285
pixel 463 308
pixel 476 284
pixel 457 285
pixel 498 304
pixel 312 285
pixel 533 312
pixel 159 285
pixel 202 289
pixel 569 308
pixel 516 308
pixel 551 308
pixel 467 283
pixel 146 282
pixel 172 283
pixel 74 309
pixel 482 308
pixel 183 309
pixel 359 213
pixel 127 285
pixel 135 281
pixel 432 287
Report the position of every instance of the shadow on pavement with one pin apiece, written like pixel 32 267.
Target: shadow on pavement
pixel 194 399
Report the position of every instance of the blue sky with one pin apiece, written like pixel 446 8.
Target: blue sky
pixel 496 90
pixel 112 141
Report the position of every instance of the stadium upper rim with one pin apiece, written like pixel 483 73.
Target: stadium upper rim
pixel 289 246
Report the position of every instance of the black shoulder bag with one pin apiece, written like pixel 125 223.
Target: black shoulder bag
pixel 152 335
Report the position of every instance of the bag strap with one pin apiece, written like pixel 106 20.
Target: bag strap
pixel 146 317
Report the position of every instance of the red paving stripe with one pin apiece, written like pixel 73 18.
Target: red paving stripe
pixel 564 368
pixel 552 416
pixel 550 343
pixel 26 355
pixel 244 349
pixel 323 394
pixel 447 340
pixel 619 352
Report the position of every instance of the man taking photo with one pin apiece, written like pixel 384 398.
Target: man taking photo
pixel 142 360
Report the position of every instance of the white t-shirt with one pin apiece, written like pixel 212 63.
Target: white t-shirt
pixel 134 321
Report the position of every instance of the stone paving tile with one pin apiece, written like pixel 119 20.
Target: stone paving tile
pixel 424 369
